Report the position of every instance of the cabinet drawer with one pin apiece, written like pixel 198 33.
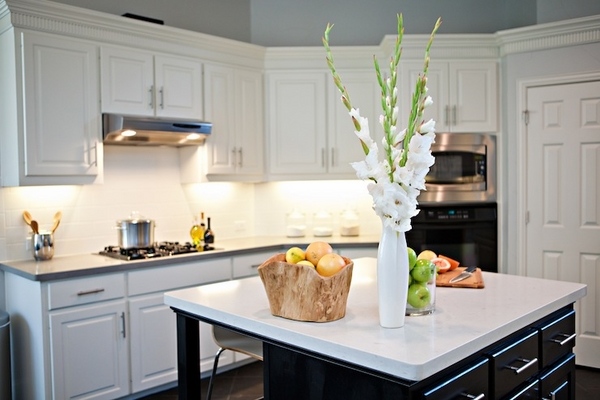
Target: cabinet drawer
pixel 528 391
pixel 247 265
pixel 176 276
pixel 471 382
pixel 559 382
pixel 557 338
pixel 513 362
pixel 74 292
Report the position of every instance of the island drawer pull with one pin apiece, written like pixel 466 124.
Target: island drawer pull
pixel 91 291
pixel 472 396
pixel 567 339
pixel 528 364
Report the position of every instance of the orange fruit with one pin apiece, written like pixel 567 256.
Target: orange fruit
pixel 330 264
pixel 453 263
pixel 316 250
pixel 441 264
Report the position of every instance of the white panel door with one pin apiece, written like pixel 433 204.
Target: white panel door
pixel 563 198
pixel 153 342
pixel 89 352
pixel 178 87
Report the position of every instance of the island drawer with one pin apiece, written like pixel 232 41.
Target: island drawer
pixel 557 337
pixel 513 362
pixel 247 265
pixel 73 292
pixel 471 382
pixel 559 382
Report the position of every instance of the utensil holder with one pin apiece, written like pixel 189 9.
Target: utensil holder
pixel 42 246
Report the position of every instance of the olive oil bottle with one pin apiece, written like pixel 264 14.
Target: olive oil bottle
pixel 197 232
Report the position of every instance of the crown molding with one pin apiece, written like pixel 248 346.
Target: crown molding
pixel 62 19
pixel 548 36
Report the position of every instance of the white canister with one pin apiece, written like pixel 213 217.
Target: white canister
pixel 322 224
pixel 349 223
pixel 295 224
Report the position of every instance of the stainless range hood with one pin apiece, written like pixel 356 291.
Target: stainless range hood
pixel 144 131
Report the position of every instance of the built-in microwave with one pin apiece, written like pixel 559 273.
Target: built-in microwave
pixel 464 170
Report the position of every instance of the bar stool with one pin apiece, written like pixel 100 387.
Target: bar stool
pixel 229 340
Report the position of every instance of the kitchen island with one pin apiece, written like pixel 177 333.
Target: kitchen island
pixel 471 331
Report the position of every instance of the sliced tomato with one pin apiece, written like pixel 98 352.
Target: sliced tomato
pixel 453 263
pixel 442 265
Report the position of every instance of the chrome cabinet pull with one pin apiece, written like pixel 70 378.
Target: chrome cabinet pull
pixel 472 396
pixel 234 156
pixel 528 363
pixel 323 157
pixel 151 95
pixel 567 339
pixel 123 323
pixel 162 98
pixel 453 115
pixel 447 115
pixel 332 157
pixel 91 291
pixel 241 163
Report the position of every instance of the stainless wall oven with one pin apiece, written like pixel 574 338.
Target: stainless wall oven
pixel 467 233
pixel 458 216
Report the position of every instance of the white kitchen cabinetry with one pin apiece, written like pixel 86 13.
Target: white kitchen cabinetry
pixel 88 338
pixel 142 83
pixel 153 326
pixel 464 93
pixel 247 265
pixel 50 133
pixel 310 132
pixel 234 104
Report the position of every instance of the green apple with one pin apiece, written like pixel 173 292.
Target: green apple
pixel 412 258
pixel 418 295
pixel 423 271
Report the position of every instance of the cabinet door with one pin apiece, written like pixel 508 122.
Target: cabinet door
pixel 153 342
pixel 127 81
pixel 344 146
pixel 219 95
pixel 62 118
pixel 178 87
pixel 297 122
pixel 437 85
pixel 473 96
pixel 89 352
pixel 249 122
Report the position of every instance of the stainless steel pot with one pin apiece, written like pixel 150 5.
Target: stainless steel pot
pixel 135 233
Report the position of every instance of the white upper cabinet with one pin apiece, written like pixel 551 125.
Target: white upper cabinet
pixel 234 104
pixel 465 94
pixel 311 135
pixel 54 137
pixel 142 83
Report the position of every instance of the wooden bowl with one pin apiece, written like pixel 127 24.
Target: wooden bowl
pixel 298 292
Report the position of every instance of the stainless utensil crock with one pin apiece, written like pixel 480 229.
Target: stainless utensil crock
pixel 42 246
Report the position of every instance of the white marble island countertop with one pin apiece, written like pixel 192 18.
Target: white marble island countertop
pixel 465 320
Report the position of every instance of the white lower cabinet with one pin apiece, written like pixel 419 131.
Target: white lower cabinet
pixel 90 351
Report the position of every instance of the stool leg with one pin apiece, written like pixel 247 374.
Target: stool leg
pixel 213 373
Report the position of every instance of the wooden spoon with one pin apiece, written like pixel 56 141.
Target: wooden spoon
pixel 34 226
pixel 27 217
pixel 57 218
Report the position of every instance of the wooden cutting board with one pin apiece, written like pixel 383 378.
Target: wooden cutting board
pixel 474 281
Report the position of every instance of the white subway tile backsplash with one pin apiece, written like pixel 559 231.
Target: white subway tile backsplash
pixel 146 179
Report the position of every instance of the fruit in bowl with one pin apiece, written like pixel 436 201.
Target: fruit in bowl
pixel 304 291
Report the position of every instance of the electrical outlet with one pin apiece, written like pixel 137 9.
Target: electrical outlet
pixel 239 225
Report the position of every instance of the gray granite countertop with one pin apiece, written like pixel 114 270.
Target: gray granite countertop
pixel 61 267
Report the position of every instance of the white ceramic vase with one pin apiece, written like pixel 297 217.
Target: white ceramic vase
pixel 392 278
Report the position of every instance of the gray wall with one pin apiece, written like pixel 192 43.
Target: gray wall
pixel 358 22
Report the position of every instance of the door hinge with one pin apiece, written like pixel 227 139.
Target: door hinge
pixel 526 117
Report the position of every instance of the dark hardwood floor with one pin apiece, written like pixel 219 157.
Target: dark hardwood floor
pixel 245 383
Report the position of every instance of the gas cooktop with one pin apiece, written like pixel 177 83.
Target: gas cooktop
pixel 161 249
